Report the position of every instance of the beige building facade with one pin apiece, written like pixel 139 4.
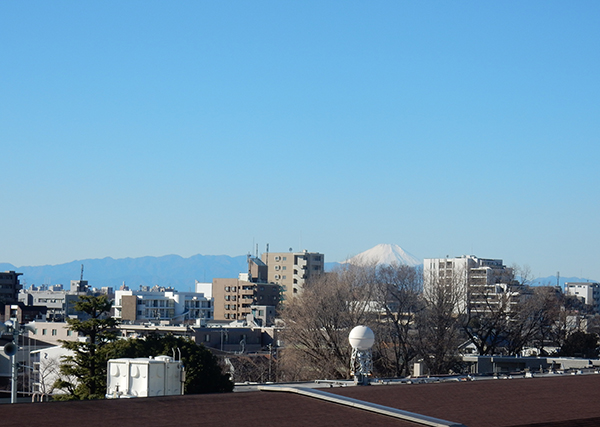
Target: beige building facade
pixel 234 298
pixel 291 270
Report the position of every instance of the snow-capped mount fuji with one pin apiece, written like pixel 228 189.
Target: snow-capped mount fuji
pixel 385 254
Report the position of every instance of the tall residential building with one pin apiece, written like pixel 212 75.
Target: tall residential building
pixel 291 270
pixel 9 287
pixel 481 284
pixel 234 299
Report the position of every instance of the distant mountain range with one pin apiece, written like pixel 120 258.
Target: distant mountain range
pixel 169 270
pixel 182 273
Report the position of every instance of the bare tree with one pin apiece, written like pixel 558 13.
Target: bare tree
pixel 439 330
pixel 492 306
pixel 399 288
pixel 318 321
pixel 535 320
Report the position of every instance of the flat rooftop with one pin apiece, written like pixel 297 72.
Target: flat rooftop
pixel 558 401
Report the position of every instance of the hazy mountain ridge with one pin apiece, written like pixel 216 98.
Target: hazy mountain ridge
pixel 169 270
pixel 181 273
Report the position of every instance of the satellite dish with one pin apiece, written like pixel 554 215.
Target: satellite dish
pixel 361 338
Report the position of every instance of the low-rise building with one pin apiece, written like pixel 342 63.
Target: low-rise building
pixel 53 332
pixel 169 306
pixel 59 304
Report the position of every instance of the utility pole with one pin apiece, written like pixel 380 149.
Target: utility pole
pixel 13 327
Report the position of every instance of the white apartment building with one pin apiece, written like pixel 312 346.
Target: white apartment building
pixel 589 292
pixel 481 284
pixel 166 307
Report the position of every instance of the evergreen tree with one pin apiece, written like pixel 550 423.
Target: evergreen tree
pixel 84 372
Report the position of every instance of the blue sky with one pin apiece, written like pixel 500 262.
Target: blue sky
pixel 149 128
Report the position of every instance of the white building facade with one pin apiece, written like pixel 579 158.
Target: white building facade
pixel 480 284
pixel 588 292
pixel 166 307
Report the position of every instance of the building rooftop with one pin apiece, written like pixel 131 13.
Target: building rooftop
pixel 562 400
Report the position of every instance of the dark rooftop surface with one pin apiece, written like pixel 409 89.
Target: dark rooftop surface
pixel 548 401
pixel 558 402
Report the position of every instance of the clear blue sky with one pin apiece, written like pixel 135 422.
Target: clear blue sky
pixel 132 128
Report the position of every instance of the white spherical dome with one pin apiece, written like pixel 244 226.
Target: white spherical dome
pixel 361 338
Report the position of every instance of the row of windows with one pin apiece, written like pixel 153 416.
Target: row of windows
pixel 54 332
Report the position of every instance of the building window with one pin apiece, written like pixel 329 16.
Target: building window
pixel 54 332
pixel 227 288
pixel 207 338
pixel 43 332
pixel 69 332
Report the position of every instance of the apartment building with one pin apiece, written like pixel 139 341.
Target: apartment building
pixel 60 304
pixel 481 284
pixel 236 298
pixel 162 306
pixel 291 270
pixel 588 292
pixel 9 287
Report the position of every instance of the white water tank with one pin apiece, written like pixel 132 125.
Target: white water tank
pixel 144 377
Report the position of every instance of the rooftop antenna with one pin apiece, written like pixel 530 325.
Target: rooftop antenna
pixel 267 256
pixel 81 276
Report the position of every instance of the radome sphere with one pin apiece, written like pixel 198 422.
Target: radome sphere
pixel 361 337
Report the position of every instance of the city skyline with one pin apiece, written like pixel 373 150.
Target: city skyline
pixel 146 129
